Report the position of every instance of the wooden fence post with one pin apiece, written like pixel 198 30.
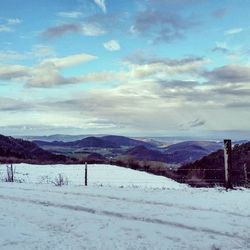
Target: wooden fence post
pixel 12 172
pixel 245 174
pixel 86 174
pixel 228 163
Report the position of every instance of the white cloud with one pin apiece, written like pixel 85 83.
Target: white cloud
pixel 41 51
pixel 162 70
pixel 112 45
pixel 7 24
pixel 233 31
pixel 10 55
pixel 13 21
pixel 132 29
pixel 221 45
pixel 68 61
pixel 101 4
pixel 90 29
pixel 5 28
pixel 47 73
pixel 70 14
pixel 9 72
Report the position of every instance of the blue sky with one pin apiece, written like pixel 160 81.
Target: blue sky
pixel 148 67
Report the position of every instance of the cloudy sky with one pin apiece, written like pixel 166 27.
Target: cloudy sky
pixel 135 67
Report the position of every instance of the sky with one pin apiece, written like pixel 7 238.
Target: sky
pixel 135 67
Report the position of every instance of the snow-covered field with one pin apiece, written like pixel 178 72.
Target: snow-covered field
pixel 105 175
pixel 118 215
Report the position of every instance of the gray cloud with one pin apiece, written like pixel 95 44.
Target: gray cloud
pixel 10 104
pixel 86 29
pixel 10 72
pixel 229 74
pixel 141 57
pixel 238 104
pixel 61 30
pixel 220 49
pixel 115 21
pixel 196 123
pixel 238 90
pixel 162 26
pixel 178 84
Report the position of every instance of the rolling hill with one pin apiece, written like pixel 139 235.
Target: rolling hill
pixel 18 150
pixel 210 169
pixel 125 141
pixel 146 154
pixel 190 151
pixel 178 153
pixel 110 141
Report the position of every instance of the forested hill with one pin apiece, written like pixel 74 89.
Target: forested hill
pixel 18 150
pixel 210 169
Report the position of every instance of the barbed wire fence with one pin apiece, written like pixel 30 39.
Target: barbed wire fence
pixel 97 174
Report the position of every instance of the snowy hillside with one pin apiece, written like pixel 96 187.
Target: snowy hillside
pixel 115 216
pixel 105 175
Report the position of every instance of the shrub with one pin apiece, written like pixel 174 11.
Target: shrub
pixel 60 180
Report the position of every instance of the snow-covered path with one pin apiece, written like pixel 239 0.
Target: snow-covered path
pixel 42 216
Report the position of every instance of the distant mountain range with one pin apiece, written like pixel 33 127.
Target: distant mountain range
pixel 112 146
pixel 57 137
pixel 110 141
pixel 89 142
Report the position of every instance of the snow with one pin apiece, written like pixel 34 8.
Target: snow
pixel 39 215
pixel 105 175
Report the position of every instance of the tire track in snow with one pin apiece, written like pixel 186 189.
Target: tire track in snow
pixel 124 216
pixel 137 201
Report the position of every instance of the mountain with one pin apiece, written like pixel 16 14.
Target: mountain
pixel 92 142
pixel 190 151
pixel 125 141
pixel 89 142
pixel 110 141
pixel 210 169
pixel 18 150
pixel 178 153
pixel 208 146
pixel 144 153
pixel 56 137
